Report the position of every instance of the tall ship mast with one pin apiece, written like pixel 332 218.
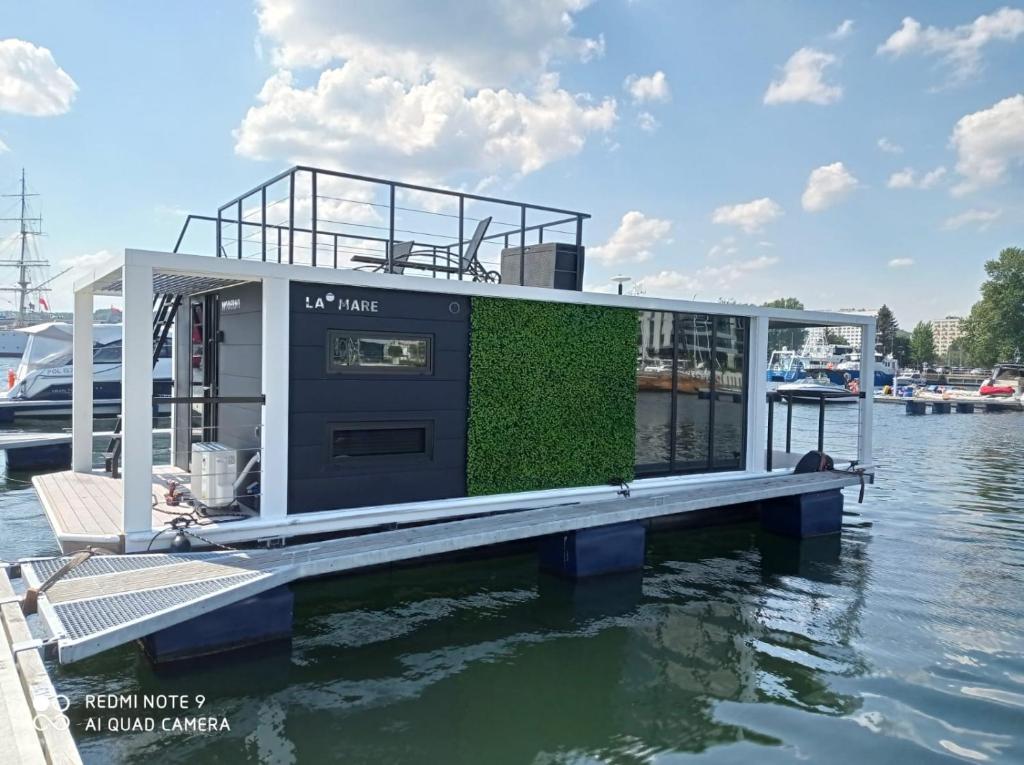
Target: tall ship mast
pixel 31 269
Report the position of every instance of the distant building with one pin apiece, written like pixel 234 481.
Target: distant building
pixel 816 335
pixel 945 331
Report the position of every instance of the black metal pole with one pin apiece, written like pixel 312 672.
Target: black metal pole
pixel 335 250
pixel 219 245
pixel 789 424
pixel 291 217
pixel 522 246
pixel 263 223
pixel 713 392
pixel 462 215
pixel 391 230
pixel 771 431
pixel 238 212
pixel 620 288
pixel 821 424
pixel 313 227
pixel 540 235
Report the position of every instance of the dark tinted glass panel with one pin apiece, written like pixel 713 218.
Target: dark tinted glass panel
pixel 378 352
pixel 693 382
pixel 371 442
pixel 730 391
pixel 654 391
pixel 107 354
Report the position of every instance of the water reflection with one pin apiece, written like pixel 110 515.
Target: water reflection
pixel 902 641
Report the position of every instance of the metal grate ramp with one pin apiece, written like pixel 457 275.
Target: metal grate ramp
pixel 111 600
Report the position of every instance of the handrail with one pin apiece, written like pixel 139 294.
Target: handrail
pixel 315 233
pixel 399 185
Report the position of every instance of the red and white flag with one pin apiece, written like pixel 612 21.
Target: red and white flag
pixel 44 304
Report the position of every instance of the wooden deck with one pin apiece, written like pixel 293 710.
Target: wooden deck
pixel 33 728
pixel 84 509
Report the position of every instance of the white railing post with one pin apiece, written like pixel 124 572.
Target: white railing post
pixel 137 399
pixel 274 430
pixel 757 392
pixel 867 388
pixel 81 383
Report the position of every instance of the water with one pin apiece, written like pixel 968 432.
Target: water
pixel 901 642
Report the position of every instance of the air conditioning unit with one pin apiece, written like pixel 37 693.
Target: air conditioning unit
pixel 214 470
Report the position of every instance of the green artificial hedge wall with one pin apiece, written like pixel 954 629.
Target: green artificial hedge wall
pixel 551 396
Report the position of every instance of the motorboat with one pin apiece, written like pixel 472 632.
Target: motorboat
pixel 786 366
pixel 1007 380
pixel 817 389
pixel 45 369
pixel 886 369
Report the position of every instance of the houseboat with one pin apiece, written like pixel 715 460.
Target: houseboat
pixel 327 381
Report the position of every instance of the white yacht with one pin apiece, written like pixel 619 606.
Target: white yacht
pixel 44 372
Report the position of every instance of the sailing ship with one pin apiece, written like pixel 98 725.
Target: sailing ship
pixel 28 302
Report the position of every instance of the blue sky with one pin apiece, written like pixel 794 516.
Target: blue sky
pixel 846 154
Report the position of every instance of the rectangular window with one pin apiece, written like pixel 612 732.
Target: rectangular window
pixel 692 380
pixel 360 440
pixel 367 352
pixel 654 392
pixel 730 392
pixel 693 391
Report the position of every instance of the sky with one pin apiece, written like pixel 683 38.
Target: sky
pixel 847 154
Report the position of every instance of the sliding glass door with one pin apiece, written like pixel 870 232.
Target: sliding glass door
pixel 691 393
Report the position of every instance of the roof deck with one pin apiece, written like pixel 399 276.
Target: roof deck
pixel 331 219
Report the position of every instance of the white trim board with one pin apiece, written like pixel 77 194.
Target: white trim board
pixel 231 268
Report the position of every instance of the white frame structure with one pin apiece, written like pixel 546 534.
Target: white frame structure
pixel 132 275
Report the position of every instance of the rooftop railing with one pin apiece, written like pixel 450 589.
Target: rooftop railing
pixel 325 218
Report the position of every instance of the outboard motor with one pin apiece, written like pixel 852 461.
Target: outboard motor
pixel 814 462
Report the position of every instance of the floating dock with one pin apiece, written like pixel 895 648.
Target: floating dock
pixel 33 727
pixel 961 405
pixel 113 599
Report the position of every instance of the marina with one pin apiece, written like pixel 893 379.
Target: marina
pixel 540 383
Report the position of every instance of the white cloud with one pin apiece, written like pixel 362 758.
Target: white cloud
pixel 959 47
pixel 476 44
pixel 903 179
pixel 420 88
pixel 888 146
pixel 844 30
pixel 826 186
pixel 432 129
pixel 988 143
pixel 901 262
pixel 651 88
pixel 647 122
pixel 724 248
pixel 907 178
pixel 672 283
pixel 632 240
pixel 750 216
pixel 803 79
pixel 31 82
pixel 4 147
pixel 983 218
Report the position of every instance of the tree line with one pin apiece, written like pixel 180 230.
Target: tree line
pixel 993 332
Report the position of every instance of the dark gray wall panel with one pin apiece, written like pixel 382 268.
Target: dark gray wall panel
pixel 318 398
